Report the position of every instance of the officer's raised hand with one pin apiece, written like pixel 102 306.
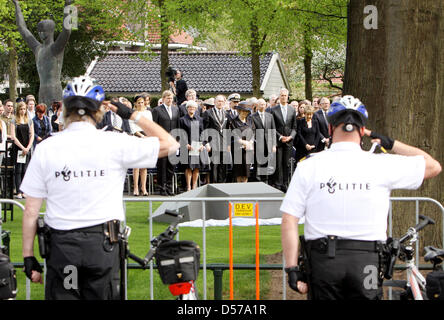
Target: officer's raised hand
pixel 296 280
pixel 384 141
pixel 121 110
pixel 32 269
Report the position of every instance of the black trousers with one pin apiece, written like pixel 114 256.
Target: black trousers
pixel 350 275
pixel 282 172
pixel 19 174
pixel 82 266
pixel 219 169
pixel 165 171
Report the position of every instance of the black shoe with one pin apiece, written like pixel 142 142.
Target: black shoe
pixel 169 192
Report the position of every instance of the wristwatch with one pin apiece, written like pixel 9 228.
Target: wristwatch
pixel 295 268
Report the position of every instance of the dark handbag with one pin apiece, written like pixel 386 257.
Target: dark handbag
pixel 8 279
pixel 435 285
pixel 178 261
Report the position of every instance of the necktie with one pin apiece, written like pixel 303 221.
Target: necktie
pixel 284 113
pixel 325 116
pixel 169 112
pixel 262 118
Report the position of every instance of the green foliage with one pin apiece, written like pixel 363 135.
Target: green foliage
pixel 166 17
pixel 99 23
pixel 3 64
pixel 8 29
pixel 320 31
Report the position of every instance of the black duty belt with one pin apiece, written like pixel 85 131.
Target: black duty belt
pixel 330 244
pixel 93 229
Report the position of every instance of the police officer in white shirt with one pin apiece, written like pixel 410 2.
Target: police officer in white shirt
pixel 80 173
pixel 343 193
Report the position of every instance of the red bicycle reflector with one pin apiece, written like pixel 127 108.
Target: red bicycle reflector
pixel 177 289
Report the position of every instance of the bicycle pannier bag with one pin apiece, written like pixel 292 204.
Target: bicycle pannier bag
pixel 178 261
pixel 435 285
pixel 8 280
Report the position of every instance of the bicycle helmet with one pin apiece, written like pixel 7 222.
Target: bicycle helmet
pixel 83 93
pixel 348 110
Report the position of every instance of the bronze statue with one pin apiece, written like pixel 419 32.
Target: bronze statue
pixel 48 54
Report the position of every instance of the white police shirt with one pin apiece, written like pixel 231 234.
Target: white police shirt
pixel 345 191
pixel 81 172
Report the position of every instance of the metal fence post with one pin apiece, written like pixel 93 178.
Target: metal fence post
pixel 204 243
pixel 218 274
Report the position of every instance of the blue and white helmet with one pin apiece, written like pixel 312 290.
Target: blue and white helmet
pixel 348 110
pixel 83 93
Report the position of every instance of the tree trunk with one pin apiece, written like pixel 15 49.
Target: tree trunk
pixel 397 71
pixel 255 60
pixel 164 41
pixel 13 70
pixel 308 56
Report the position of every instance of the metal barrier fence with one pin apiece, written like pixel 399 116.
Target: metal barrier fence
pixel 219 268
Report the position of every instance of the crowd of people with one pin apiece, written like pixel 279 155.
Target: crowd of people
pixel 223 139
pixel 23 125
pixel 241 141
pixel 228 139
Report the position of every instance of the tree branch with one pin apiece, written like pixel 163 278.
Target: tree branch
pixel 320 14
pixel 324 76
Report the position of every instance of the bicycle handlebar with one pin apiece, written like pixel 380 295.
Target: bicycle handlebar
pixel 169 234
pixel 171 213
pixel 396 248
pixel 424 221
pixel 137 259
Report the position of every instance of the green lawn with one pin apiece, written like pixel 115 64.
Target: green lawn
pixel 217 252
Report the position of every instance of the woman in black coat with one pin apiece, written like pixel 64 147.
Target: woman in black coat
pixel 192 125
pixel 242 128
pixel 309 134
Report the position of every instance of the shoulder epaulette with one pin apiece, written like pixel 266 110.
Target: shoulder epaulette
pixel 308 156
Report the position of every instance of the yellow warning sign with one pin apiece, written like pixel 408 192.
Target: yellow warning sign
pixel 243 209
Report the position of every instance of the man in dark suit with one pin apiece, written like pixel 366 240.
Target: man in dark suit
pixel 321 117
pixel 233 100
pixel 265 133
pixel 112 122
pixel 284 117
pixel 216 119
pixel 181 87
pixel 167 116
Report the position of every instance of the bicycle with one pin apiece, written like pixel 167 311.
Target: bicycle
pixel 415 285
pixel 183 290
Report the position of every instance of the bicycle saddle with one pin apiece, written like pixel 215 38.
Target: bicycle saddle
pixel 434 254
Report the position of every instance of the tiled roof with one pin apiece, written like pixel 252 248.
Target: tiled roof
pixel 203 71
